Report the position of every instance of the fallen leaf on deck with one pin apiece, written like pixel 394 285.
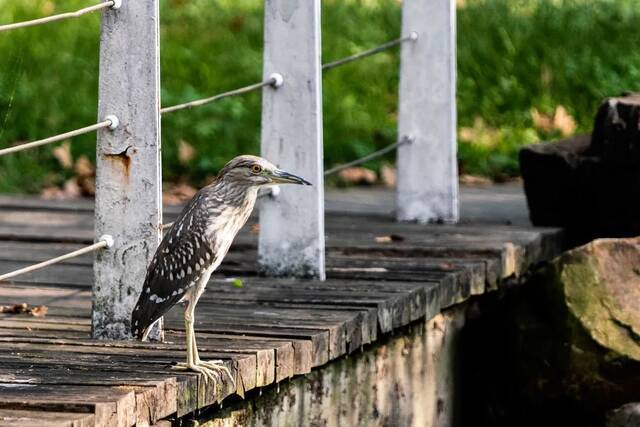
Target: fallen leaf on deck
pixel 37 311
pixel 389 238
pixel 255 228
pixel 237 283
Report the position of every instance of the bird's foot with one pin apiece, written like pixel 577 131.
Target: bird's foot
pixel 211 370
pixel 218 367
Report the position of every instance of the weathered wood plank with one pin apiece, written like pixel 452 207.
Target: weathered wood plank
pixel 32 418
pixel 110 405
pixel 155 398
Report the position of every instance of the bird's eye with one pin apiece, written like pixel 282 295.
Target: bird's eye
pixel 256 168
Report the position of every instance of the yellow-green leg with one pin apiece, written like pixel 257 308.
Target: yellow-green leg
pixel 211 370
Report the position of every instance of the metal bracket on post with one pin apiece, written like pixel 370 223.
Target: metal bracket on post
pixel 292 224
pixel 427 186
pixel 128 174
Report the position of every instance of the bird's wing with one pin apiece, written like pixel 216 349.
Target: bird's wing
pixel 182 257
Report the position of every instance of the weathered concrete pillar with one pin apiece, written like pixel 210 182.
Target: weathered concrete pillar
pixel 427 189
pixel 128 177
pixel 292 223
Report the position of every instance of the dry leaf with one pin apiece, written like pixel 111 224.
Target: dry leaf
pixel 255 228
pixel 563 121
pixel 358 175
pixel 480 133
pixel 62 153
pixel 14 309
pixel 388 176
pixel 177 194
pixel 37 311
pixel 71 189
pixel 185 152
pixel 541 121
pixel 84 167
pixel 88 186
pixel 389 238
pixel 51 193
pixel 474 180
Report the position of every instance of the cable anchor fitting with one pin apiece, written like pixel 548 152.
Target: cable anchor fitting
pixel 276 80
pixel 114 122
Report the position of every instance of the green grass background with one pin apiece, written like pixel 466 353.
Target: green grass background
pixel 513 56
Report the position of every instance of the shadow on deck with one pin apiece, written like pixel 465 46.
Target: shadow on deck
pixel 382 276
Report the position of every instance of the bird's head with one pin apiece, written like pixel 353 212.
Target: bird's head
pixel 255 171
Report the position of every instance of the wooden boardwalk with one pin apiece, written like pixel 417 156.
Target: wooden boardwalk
pixel 381 276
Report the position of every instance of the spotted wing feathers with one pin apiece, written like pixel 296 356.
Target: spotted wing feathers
pixel 183 255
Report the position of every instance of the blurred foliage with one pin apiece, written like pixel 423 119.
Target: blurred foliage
pixel 514 57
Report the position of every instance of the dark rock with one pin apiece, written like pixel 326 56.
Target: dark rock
pixel 616 131
pixel 590 186
pixel 625 416
pixel 592 297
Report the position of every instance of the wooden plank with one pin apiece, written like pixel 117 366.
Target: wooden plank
pixel 128 203
pixel 292 224
pixel 187 396
pixel 32 418
pixel 427 188
pixel 155 397
pixel 198 394
pixel 110 405
pixel 335 332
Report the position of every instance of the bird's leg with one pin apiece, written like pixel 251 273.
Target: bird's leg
pixel 214 365
pixel 191 363
pixel 211 369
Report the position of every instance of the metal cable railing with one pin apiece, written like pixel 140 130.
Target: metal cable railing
pixel 369 52
pixel 110 122
pixel 276 80
pixel 368 157
pixel 105 241
pixel 114 4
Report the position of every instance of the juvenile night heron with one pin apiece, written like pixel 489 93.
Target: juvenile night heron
pixel 195 245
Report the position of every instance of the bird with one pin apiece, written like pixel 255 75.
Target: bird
pixel 195 245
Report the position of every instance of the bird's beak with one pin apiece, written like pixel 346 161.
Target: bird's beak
pixel 281 177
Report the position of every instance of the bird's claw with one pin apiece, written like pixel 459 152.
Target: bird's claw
pixel 211 370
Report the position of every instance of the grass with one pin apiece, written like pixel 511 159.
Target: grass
pixel 514 56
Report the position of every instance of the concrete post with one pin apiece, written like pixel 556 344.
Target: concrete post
pixel 427 169
pixel 292 223
pixel 128 178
